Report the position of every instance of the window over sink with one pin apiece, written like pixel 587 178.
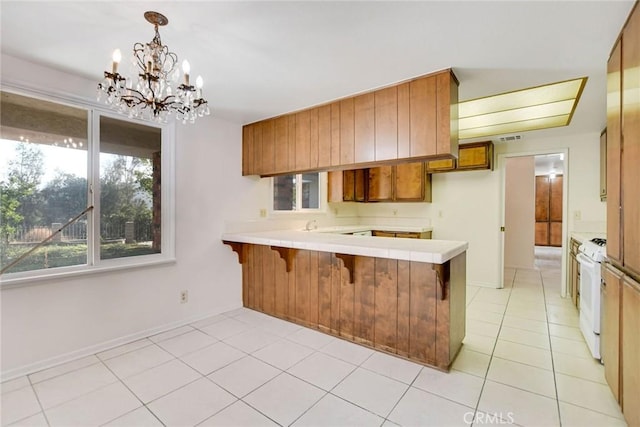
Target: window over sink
pixel 304 192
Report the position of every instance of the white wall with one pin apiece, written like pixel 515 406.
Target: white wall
pixel 520 212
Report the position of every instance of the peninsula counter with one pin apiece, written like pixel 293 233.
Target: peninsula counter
pixel 402 296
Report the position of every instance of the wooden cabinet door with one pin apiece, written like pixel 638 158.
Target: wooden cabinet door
pixel 445 165
pixel 349 186
pixel 335 134
pixel 423 117
pixel 386 123
pixel 610 328
pixel 555 233
pixel 364 128
pixel 334 187
pixel 410 182
pixel 404 120
pixel 603 166
pixel 360 185
pixel 378 233
pixel 347 129
pixel 631 143
pixel 475 156
pixel 381 184
pixel 314 138
pixel 268 147
pixel 447 113
pixel 542 233
pixel 324 136
pixel 555 199
pixel 630 350
pixel 247 150
pixel 542 199
pixel 257 148
pixel 303 140
pixel 281 144
pixel 614 224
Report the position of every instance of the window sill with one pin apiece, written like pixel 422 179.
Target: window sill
pixel 48 275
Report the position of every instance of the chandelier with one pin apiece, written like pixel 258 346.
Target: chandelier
pixel 153 97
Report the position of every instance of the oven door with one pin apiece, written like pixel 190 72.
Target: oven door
pixel 590 302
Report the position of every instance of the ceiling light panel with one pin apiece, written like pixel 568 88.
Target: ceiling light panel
pixel 527 109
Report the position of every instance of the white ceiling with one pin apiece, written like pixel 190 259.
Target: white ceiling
pixel 261 59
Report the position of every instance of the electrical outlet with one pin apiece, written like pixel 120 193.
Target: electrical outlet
pixel 395 212
pixel 263 213
pixel 577 215
pixel 184 297
pixel 439 214
pixel 335 211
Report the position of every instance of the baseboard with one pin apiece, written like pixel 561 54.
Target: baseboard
pixel 106 345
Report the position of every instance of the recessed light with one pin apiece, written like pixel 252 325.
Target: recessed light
pixel 534 108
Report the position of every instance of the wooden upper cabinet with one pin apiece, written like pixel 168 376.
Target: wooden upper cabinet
pixel 348 185
pixel 281 144
pixel 412 120
pixel 381 184
pixel 335 134
pixel 444 165
pixel 386 123
pixel 347 131
pixel 302 140
pixel 477 155
pixel 447 113
pixel 471 156
pixel 247 150
pixel 422 116
pixel 631 144
pixel 614 159
pixel 268 145
pixel 364 128
pixel 404 121
pixel 324 136
pixel 291 120
pixel 314 138
pixel 412 184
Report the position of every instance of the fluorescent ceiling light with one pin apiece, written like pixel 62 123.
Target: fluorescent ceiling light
pixel 533 108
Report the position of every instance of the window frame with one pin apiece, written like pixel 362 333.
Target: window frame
pixel 322 195
pixel 167 193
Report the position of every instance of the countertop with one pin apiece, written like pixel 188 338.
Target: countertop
pixel 421 250
pixel 359 228
pixel 582 236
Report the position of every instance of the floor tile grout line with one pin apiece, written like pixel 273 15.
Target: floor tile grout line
pixel 553 366
pixel 44 414
pixel 486 374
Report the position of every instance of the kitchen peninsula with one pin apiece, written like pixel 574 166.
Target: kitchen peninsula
pixel 402 296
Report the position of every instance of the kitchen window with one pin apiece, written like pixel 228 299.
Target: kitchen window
pixel 56 161
pixel 299 193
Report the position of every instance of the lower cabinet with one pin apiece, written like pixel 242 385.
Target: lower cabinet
pixel 415 310
pixel 630 349
pixel 574 273
pixel 402 234
pixel 610 327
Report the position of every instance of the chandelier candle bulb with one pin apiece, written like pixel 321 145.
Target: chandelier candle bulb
pixel 199 84
pixel 117 57
pixel 186 69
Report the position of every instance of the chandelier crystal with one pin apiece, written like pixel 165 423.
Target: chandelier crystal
pixel 153 97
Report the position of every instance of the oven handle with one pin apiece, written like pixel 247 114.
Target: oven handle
pixel 583 259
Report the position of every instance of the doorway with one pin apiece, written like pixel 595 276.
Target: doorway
pixel 534 232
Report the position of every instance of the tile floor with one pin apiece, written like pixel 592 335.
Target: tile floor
pixel 524 362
